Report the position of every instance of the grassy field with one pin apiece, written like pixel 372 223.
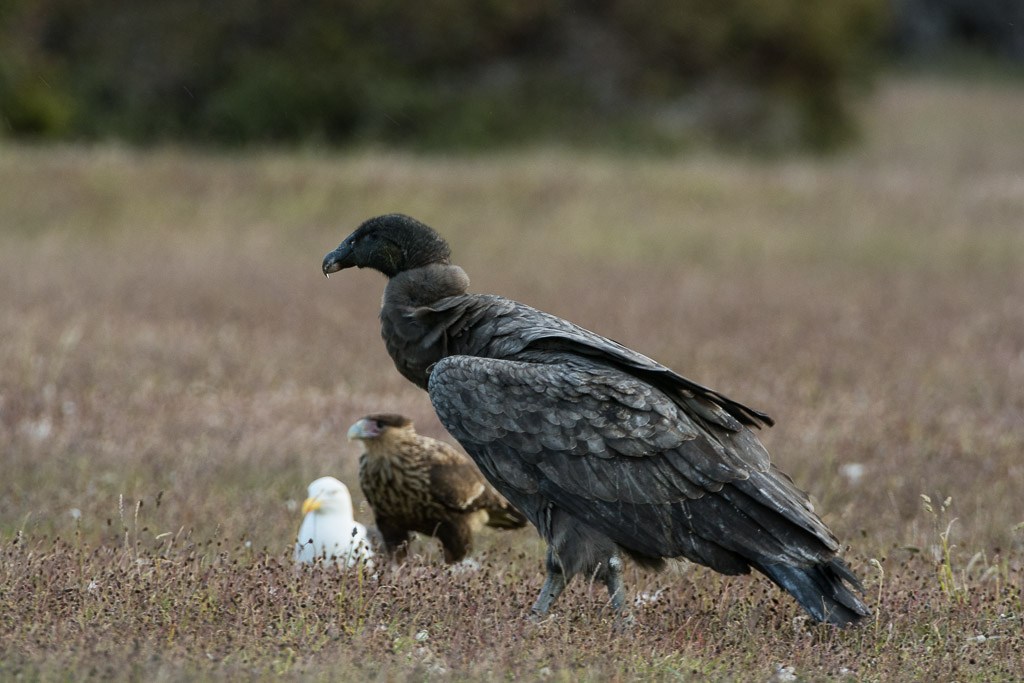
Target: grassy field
pixel 175 370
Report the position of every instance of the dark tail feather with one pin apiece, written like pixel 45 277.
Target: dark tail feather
pixel 822 590
pixel 505 518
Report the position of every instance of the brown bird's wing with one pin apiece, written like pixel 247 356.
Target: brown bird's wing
pixel 458 486
pixel 456 483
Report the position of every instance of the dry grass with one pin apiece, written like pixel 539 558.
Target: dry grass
pixel 175 370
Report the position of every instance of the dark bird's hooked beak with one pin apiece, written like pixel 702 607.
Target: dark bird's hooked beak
pixel 339 259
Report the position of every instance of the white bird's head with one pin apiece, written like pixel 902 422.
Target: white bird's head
pixel 328 495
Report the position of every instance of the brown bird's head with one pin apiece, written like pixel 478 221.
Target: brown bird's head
pixel 373 426
pixel 391 244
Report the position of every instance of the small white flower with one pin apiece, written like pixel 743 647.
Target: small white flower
pixel 853 472
pixel 37 430
pixel 646 598
pixel 783 674
pixel 75 513
pixel 465 566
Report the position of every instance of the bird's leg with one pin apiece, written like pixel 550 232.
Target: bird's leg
pixel 553 586
pixel 396 541
pixel 456 538
pixel 613 580
pixel 617 594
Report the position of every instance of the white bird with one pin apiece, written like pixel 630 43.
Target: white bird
pixel 328 529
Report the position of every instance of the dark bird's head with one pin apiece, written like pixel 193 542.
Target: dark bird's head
pixel 373 426
pixel 391 244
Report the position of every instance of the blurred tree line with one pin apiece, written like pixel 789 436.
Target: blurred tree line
pixel 933 28
pixel 462 73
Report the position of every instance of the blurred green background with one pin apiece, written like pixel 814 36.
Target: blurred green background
pixel 470 74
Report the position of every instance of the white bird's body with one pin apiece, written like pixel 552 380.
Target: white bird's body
pixel 329 532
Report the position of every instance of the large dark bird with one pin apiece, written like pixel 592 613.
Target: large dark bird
pixel 606 451
pixel 415 483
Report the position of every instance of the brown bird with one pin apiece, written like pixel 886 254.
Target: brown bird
pixel 609 453
pixel 415 483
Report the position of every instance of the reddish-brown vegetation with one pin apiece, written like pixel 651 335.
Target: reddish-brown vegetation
pixel 175 370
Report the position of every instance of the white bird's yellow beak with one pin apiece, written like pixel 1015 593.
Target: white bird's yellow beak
pixel 309 505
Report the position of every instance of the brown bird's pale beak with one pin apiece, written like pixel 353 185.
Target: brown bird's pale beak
pixel 309 505
pixel 360 430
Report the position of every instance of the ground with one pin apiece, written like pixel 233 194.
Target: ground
pixel 176 370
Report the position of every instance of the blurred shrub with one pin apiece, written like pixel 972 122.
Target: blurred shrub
pixel 930 28
pixel 466 73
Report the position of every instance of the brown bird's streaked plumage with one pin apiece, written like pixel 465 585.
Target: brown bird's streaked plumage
pixel 609 453
pixel 415 483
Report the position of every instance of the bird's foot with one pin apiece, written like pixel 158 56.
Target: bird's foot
pixel 624 622
pixel 537 619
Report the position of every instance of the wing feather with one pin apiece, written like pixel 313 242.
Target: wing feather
pixel 612 449
pixel 496 327
pixel 590 430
